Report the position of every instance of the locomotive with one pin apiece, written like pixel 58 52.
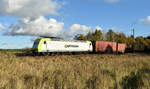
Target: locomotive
pixel 46 45
pixel 57 45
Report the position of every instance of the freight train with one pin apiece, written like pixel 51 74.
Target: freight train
pixel 47 45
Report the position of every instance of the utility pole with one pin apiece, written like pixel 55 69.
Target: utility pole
pixel 134 33
pixel 133 47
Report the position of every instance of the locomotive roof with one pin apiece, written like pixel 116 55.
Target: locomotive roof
pixel 60 39
pixel 51 37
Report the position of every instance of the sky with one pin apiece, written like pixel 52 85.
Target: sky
pixel 22 21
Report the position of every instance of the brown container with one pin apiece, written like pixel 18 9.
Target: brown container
pixel 104 46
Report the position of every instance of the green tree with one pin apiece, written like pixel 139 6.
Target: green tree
pixel 97 35
pixel 111 35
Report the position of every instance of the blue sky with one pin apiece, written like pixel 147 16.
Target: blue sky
pixel 120 14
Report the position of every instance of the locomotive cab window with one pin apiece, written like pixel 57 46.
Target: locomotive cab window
pixel 44 42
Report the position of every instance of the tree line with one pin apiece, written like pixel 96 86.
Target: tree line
pixel 139 43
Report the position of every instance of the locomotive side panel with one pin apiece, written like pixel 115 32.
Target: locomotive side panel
pixel 62 46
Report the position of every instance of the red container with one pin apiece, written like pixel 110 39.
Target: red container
pixel 121 47
pixel 104 46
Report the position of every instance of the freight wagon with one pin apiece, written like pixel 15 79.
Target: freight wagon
pixel 109 47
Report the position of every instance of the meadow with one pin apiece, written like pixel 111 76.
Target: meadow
pixel 91 71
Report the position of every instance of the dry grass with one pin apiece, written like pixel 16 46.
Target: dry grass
pixel 129 71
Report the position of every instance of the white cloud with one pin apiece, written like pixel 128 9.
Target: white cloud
pixel 146 21
pixel 98 28
pixel 1 27
pixel 36 27
pixel 33 21
pixel 78 29
pixel 28 8
pixel 111 1
pixel 43 27
pixel 113 28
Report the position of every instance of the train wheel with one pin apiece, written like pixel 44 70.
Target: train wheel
pixel 52 54
pixel 45 54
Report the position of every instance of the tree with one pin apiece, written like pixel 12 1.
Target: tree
pixel 148 37
pixel 80 37
pixel 97 35
pixel 130 40
pixel 110 35
pixel 89 35
pixel 121 38
pixel 140 43
pixel 148 44
pixel 130 43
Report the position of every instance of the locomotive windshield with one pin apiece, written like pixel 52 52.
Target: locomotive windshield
pixel 36 42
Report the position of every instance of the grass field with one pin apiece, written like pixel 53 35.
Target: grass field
pixel 128 71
